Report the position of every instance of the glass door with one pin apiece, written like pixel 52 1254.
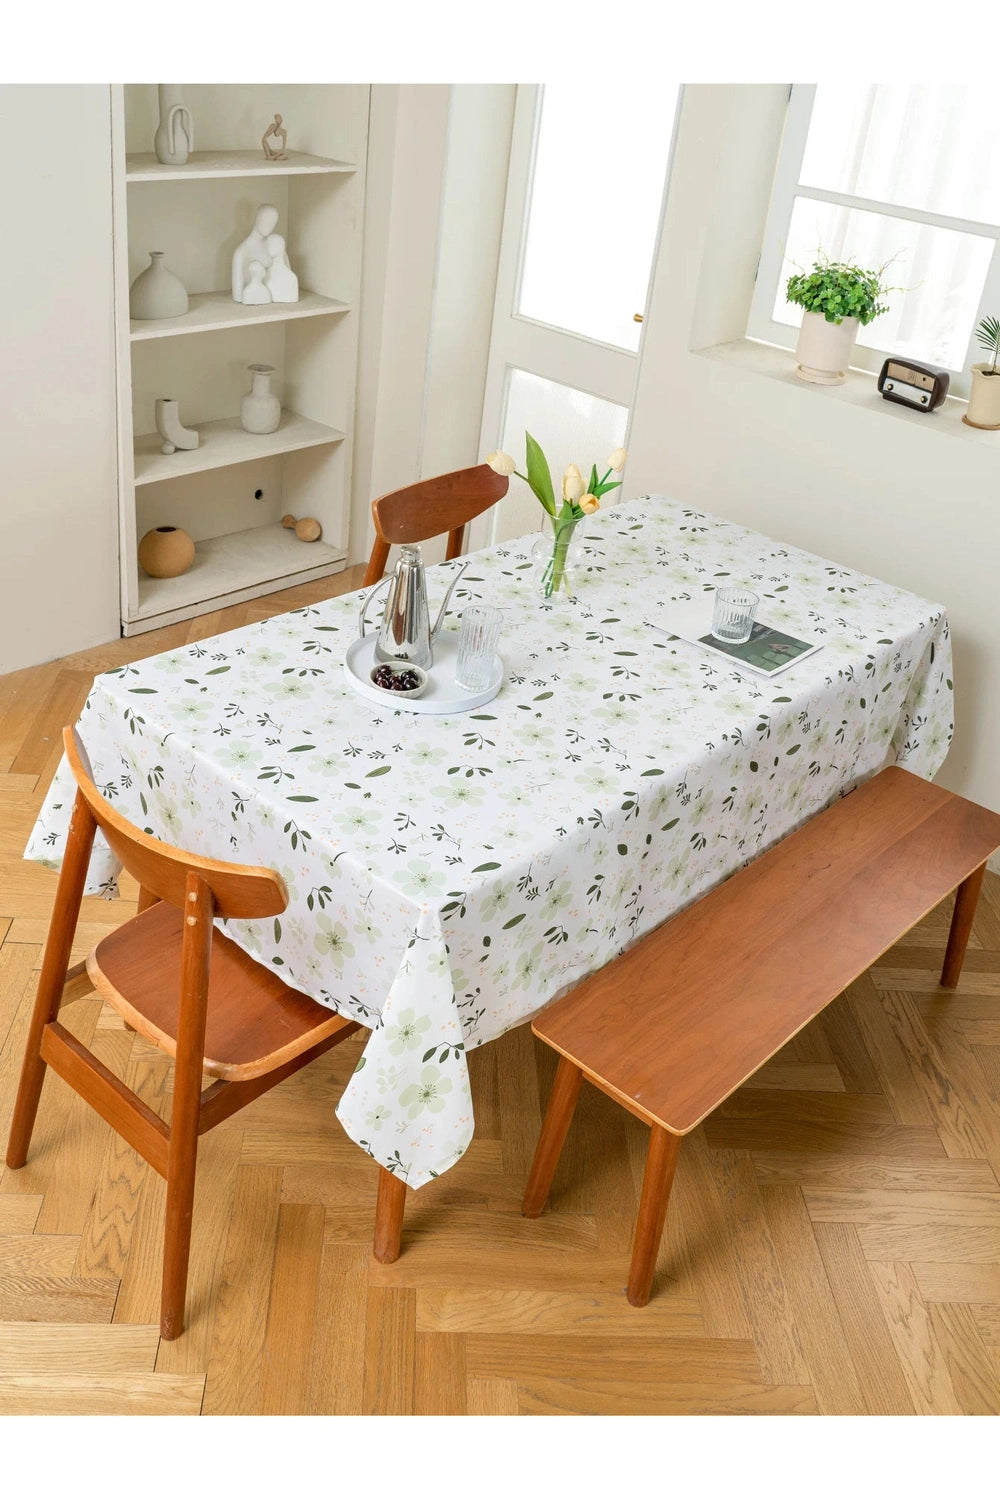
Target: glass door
pixel 584 197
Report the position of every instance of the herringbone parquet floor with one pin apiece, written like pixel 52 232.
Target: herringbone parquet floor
pixel 833 1242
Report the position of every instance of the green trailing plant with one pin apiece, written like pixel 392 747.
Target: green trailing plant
pixel 839 289
pixel 987 335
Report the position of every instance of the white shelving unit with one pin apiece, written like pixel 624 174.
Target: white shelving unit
pixel 232 490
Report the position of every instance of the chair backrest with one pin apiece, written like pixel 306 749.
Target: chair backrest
pixel 244 891
pixel 430 508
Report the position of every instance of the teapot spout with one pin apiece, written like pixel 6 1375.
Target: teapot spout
pixel 444 602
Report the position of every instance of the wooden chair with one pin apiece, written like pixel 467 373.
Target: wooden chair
pixel 430 508
pixel 672 1026
pixel 183 985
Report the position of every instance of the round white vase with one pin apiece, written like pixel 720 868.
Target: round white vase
pixel 157 292
pixel 260 409
pixel 824 349
pixel 984 399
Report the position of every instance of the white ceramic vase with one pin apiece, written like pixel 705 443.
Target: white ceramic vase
pixel 174 137
pixel 168 425
pixel 157 292
pixel 984 399
pixel 824 349
pixel 260 409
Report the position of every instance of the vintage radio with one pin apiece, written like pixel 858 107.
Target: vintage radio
pixel 923 387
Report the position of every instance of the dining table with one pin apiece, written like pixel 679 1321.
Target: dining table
pixel 449 874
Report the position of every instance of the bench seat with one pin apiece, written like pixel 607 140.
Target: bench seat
pixel 678 1021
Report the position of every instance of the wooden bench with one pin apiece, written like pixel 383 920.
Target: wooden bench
pixel 681 1019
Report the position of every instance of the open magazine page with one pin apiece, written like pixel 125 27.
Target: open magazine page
pixel 767 652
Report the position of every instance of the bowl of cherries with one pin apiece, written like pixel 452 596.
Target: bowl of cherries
pixel 403 679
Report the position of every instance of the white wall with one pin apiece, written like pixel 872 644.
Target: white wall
pixel 437 174
pixel 905 497
pixel 58 506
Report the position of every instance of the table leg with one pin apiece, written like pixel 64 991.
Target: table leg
pixel 388 1216
pixel 562 1102
pixel 661 1159
pixel 966 900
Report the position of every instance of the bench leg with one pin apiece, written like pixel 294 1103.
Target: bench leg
pixel 966 899
pixel 661 1159
pixel 389 1207
pixel 562 1102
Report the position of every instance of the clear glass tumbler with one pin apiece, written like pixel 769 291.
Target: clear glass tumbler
pixel 733 616
pixel 477 646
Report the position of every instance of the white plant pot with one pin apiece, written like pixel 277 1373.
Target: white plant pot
pixel 984 399
pixel 824 349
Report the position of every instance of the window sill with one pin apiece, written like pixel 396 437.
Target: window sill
pixel 859 389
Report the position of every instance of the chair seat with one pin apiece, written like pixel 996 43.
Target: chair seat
pixel 255 1021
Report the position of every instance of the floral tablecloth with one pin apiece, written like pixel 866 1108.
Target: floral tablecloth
pixel 449 875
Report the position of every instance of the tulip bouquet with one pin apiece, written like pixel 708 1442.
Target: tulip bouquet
pixel 579 499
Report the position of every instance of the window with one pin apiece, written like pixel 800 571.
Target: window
pixel 900 173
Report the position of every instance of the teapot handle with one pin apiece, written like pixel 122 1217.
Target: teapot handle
pixel 363 616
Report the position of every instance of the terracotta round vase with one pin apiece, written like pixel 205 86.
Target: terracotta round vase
pixel 824 349
pixel 166 552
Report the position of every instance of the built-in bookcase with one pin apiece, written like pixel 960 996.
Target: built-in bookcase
pixel 231 492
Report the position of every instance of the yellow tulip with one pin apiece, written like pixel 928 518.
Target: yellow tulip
pixel 618 460
pixel 573 485
pixel 501 463
pixel 589 503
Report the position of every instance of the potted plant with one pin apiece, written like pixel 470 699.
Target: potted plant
pixel 984 398
pixel 836 297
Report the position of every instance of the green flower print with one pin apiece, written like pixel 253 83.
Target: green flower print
pixel 427 1094
pixel 460 792
pixel 331 939
pixel 528 964
pixel 419 879
pixel 407 1034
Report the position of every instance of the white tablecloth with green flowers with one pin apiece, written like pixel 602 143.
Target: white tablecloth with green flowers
pixel 449 875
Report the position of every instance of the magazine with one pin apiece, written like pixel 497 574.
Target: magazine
pixel 767 652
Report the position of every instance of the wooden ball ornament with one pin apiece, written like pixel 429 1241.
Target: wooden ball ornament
pixel 307 530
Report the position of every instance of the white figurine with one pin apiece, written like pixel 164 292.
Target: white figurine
pixel 254 247
pixel 255 292
pixel 281 280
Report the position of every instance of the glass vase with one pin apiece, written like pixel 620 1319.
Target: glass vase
pixel 553 557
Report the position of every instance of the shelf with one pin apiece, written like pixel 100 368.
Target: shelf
pixel 243 563
pixel 212 310
pixel 226 442
pixel 144 167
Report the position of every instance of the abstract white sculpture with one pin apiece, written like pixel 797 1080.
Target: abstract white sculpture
pixel 168 425
pixel 267 249
pixel 254 291
pixel 281 280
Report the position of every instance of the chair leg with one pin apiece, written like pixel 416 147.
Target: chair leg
pixel 185 1116
pixel 966 900
pixel 562 1102
pixel 389 1207
pixel 181 1165
pixel 52 980
pixel 661 1160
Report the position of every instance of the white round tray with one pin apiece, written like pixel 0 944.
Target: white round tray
pixel 442 694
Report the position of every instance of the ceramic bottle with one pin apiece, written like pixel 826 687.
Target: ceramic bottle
pixel 260 410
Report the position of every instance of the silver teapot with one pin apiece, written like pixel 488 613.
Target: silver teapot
pixel 405 633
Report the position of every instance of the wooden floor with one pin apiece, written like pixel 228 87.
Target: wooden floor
pixel 833 1242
